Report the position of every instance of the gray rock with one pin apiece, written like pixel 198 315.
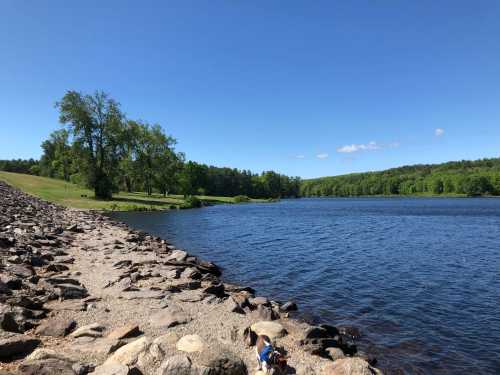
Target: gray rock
pixel 178 255
pixel 259 301
pixel 233 306
pixel 215 289
pixel 15 345
pixel 70 291
pixel 169 317
pixel 46 367
pixel 289 306
pixel 264 312
pixel 227 364
pixel 335 353
pixel 176 365
pixel 56 327
pixel 82 368
pixel 90 345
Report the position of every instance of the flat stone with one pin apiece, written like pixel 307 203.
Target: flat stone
pixel 15 345
pixel 49 366
pixel 68 305
pixel 43 353
pixel 103 346
pixel 90 330
pixel 70 291
pixel 169 317
pixel 259 301
pixel 143 294
pixel 273 330
pixel 21 270
pixel 56 327
pixel 178 255
pixel 190 344
pixel 128 330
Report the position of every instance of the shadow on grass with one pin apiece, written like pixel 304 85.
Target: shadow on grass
pixel 141 201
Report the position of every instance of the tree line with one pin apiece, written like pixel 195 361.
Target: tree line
pixel 98 147
pixel 472 178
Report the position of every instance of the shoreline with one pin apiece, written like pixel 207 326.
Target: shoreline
pixel 80 291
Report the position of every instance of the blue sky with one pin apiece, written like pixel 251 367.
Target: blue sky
pixel 304 88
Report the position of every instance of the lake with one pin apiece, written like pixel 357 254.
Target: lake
pixel 420 277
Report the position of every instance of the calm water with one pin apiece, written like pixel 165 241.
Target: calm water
pixel 419 277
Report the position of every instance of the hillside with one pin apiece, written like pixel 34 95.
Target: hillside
pixel 467 178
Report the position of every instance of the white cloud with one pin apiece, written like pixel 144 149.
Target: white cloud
pixel 323 155
pixel 370 146
pixel 439 132
pixel 300 156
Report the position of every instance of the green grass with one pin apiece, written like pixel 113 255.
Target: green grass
pixel 70 195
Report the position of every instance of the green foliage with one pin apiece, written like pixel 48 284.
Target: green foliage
pixel 29 166
pixel 100 149
pixel 210 180
pixel 472 178
pixel 191 202
pixel 96 124
pixel 241 199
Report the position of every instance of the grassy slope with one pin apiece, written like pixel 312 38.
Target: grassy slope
pixel 70 195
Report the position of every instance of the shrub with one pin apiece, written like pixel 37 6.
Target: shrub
pixel 191 202
pixel 241 199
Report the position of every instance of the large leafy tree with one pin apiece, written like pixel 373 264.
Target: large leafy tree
pixel 57 158
pixel 96 124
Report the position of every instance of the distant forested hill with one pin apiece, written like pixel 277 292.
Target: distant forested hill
pixel 479 177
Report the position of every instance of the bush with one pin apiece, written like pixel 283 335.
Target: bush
pixel 241 199
pixel 191 202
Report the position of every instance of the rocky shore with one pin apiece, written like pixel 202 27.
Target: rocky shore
pixel 82 294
